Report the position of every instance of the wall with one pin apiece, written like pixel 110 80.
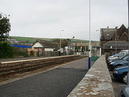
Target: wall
pixel 96 83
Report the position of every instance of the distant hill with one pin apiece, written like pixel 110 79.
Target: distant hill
pixel 28 39
pixel 33 39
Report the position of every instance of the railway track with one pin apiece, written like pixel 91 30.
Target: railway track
pixel 21 66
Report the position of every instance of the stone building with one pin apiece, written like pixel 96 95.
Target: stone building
pixel 114 39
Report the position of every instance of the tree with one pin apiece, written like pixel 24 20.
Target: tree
pixel 5 49
pixel 64 42
pixel 5 27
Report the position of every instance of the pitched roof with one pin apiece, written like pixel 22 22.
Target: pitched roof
pixel 122 33
pixel 37 45
pixel 107 33
pixel 47 44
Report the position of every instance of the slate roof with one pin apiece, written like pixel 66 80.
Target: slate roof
pixel 48 44
pixel 107 33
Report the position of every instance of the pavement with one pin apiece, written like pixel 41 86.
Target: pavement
pixel 58 82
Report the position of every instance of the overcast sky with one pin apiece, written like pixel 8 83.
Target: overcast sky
pixel 47 18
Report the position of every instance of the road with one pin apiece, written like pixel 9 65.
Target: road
pixel 58 82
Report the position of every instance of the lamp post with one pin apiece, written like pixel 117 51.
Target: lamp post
pixel 60 50
pixel 99 43
pixel 73 45
pixel 128 41
pixel 89 59
pixel 60 39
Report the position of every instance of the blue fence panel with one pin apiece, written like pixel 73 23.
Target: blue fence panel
pixel 21 46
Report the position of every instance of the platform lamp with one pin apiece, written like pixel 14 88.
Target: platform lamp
pixel 60 37
pixel 89 56
pixel 100 52
pixel 73 44
pixel 128 46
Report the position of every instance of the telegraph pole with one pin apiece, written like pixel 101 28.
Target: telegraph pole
pixel 89 59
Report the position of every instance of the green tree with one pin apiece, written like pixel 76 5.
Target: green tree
pixel 64 42
pixel 5 27
pixel 5 49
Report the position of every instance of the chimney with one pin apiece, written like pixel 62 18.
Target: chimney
pixel 116 27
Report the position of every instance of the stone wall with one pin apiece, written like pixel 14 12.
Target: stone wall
pixel 96 83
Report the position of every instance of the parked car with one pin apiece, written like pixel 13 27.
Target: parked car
pixel 119 62
pixel 120 73
pixel 120 58
pixel 117 56
pixel 125 91
pixel 113 57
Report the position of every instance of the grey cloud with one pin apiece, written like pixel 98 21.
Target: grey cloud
pixel 39 17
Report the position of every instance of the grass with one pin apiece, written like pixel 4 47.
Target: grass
pixel 33 39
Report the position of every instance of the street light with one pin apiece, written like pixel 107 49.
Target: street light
pixel 89 59
pixel 99 43
pixel 128 41
pixel 60 39
pixel 73 45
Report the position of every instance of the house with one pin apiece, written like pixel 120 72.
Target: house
pixel 41 46
pixel 122 34
pixel 114 39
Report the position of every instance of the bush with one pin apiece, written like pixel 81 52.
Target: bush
pixel 20 52
pixel 94 58
pixel 6 51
